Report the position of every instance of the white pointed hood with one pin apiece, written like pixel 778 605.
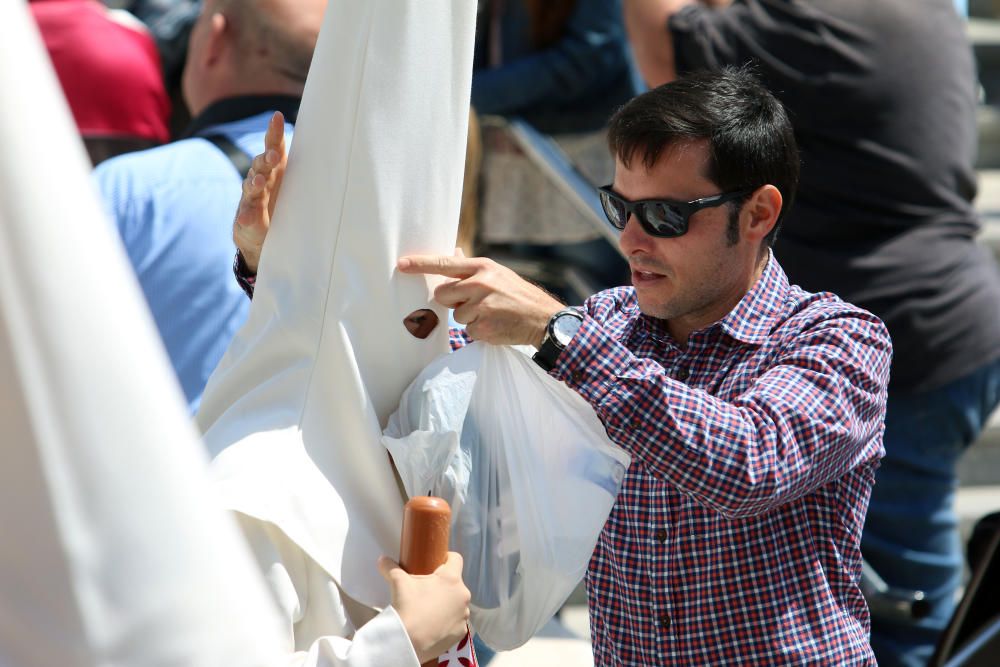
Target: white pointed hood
pixel 296 406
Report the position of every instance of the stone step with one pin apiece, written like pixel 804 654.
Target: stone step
pixel 980 465
pixel 973 503
pixel 985 37
pixel 984 8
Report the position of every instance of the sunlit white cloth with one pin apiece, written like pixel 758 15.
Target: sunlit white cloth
pixel 113 550
pixel 296 407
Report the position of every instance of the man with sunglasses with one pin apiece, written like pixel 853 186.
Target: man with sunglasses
pixel 752 409
pixel 882 94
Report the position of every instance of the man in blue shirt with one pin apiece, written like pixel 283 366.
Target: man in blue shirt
pixel 173 205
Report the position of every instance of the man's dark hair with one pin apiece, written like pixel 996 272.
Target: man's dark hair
pixel 750 138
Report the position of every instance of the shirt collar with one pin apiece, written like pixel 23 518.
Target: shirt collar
pixel 237 108
pixel 754 317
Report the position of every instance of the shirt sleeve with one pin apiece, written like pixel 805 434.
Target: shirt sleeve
pixel 307 597
pixel 814 414
pixel 707 38
pixel 380 641
pixel 790 43
pixel 244 278
pixel 458 338
pixel 126 202
pixel 591 55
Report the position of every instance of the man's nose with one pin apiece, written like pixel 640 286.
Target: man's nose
pixel 633 238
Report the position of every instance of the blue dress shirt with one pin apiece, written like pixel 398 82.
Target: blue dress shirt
pixel 173 207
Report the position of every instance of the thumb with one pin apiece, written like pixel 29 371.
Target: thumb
pixel 386 566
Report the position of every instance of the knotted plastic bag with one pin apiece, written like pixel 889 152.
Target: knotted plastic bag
pixel 529 472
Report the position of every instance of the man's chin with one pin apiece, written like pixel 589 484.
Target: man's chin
pixel 650 308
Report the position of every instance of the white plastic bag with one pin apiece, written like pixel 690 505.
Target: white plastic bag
pixel 529 472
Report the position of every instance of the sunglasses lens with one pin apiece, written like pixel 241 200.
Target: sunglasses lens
pixel 615 210
pixel 664 219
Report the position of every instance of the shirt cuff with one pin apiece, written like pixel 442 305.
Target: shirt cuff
pixel 592 362
pixel 383 641
pixel 244 277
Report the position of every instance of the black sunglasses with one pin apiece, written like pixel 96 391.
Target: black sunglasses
pixel 663 218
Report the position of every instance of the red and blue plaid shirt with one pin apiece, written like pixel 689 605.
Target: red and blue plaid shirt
pixel 735 539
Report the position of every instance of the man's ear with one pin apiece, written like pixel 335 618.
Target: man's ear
pixel 219 33
pixel 761 212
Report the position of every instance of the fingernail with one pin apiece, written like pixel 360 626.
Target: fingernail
pixel 272 157
pixel 403 263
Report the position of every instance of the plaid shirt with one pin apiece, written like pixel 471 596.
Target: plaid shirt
pixel 735 539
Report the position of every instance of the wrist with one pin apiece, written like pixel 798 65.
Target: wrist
pixel 559 331
pixel 252 261
pixel 541 327
pixel 421 645
pixel 246 262
pixel 540 324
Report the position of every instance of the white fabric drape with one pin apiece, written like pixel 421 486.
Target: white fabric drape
pixel 296 406
pixel 113 550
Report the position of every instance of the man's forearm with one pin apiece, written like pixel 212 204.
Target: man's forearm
pixel 652 44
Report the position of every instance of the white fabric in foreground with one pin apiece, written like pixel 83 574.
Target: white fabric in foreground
pixel 298 401
pixel 113 550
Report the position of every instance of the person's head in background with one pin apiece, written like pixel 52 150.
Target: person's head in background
pixel 250 47
pixel 109 71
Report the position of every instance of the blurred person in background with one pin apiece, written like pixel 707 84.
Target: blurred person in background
pixel 563 66
pixel 170 22
pixel 882 95
pixel 109 70
pixel 172 205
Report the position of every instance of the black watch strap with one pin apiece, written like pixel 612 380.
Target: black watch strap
pixel 548 354
pixel 550 349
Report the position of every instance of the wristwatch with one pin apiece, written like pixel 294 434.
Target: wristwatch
pixel 559 332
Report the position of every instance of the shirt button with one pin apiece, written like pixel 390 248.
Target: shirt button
pixel 664 621
pixel 576 377
pixel 683 374
pixel 661 536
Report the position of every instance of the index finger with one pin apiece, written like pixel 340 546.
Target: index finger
pixel 274 139
pixel 442 265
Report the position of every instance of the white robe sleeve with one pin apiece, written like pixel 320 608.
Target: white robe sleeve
pixel 324 628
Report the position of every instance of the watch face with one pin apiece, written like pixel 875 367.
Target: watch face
pixel 564 328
